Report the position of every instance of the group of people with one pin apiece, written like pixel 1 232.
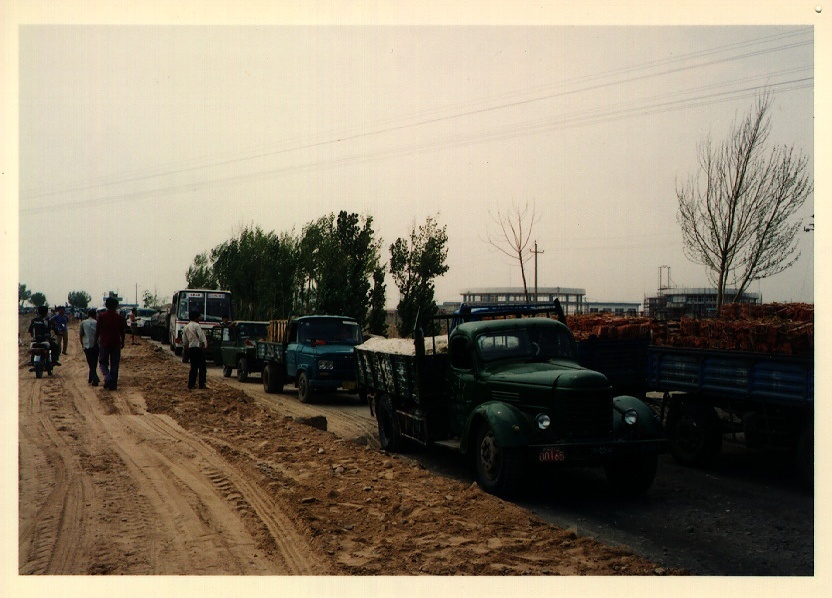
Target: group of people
pixel 102 337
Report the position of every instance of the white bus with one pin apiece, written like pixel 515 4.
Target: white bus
pixel 212 305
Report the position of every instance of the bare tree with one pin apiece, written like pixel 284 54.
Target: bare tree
pixel 516 226
pixel 736 211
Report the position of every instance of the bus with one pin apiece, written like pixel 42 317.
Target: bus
pixel 211 304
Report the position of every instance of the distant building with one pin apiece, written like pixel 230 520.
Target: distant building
pixel 612 307
pixel 571 299
pixel 672 303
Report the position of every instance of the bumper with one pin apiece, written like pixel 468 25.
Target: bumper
pixel 596 452
pixel 330 385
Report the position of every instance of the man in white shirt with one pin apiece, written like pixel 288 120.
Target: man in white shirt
pixel 195 343
pixel 90 346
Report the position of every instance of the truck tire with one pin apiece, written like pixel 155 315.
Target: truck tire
pixel 499 469
pixel 304 392
pixel 226 371
pixel 272 380
pixel 388 428
pixel 634 477
pixel 695 434
pixel 242 369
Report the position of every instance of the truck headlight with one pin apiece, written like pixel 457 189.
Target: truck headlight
pixel 543 421
pixel 630 417
pixel 325 364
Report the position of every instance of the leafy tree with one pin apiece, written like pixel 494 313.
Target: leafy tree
pixel 338 257
pixel 23 294
pixel 200 274
pixel 516 227
pixel 377 319
pixel 150 299
pixel 37 299
pixel 736 212
pixel 258 268
pixel 79 299
pixel 414 264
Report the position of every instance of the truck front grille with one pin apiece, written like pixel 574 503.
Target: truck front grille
pixel 581 416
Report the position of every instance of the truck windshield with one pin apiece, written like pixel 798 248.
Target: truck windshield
pixel 526 344
pixel 253 330
pixel 330 330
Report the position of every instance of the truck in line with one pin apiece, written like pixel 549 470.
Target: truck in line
pixel 765 400
pixel 314 353
pixel 510 393
pixel 236 348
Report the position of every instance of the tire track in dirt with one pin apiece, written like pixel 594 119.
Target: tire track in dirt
pixel 54 535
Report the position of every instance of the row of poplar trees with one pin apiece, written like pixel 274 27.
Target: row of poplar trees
pixel 334 266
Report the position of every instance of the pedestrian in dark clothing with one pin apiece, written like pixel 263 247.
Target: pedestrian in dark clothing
pixel 59 323
pixel 40 329
pixel 88 327
pixel 195 343
pixel 109 335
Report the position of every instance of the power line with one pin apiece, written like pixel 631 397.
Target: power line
pixel 575 119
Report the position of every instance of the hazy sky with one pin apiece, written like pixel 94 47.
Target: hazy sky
pixel 142 146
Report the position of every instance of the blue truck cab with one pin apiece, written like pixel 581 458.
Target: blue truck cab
pixel 316 354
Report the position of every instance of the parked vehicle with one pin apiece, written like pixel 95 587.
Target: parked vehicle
pixel 143 324
pixel 510 392
pixel 315 353
pixel 159 323
pixel 212 304
pixel 237 349
pixel 765 400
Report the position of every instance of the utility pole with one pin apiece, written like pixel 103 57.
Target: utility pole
pixel 536 253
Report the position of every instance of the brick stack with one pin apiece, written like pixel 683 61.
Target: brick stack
pixel 782 328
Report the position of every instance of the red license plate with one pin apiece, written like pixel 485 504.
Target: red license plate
pixel 551 455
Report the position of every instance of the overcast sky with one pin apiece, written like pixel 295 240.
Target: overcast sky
pixel 142 146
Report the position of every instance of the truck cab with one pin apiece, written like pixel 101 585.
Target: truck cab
pixel 316 352
pixel 237 349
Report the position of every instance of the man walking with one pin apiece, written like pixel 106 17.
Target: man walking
pixel 194 343
pixel 109 335
pixel 88 327
pixel 59 323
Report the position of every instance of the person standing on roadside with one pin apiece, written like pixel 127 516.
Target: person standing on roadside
pixel 88 327
pixel 59 323
pixel 194 344
pixel 133 326
pixel 109 336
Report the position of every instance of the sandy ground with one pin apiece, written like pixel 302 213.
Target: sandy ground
pixel 154 479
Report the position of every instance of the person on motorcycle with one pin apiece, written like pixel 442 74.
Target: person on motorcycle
pixel 40 329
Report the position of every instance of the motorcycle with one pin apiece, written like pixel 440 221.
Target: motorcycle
pixel 41 358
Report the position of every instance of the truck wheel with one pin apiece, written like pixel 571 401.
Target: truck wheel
pixel 242 369
pixel 499 469
pixel 227 370
pixel 633 477
pixel 271 379
pixel 304 392
pixel 694 433
pixel 388 428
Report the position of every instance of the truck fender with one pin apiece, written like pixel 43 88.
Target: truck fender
pixel 648 421
pixel 507 422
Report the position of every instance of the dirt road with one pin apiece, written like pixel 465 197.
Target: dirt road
pixel 154 479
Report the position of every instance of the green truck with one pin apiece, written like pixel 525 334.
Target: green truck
pixel 510 393
pixel 237 349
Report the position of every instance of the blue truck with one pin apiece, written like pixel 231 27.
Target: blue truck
pixel 315 353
